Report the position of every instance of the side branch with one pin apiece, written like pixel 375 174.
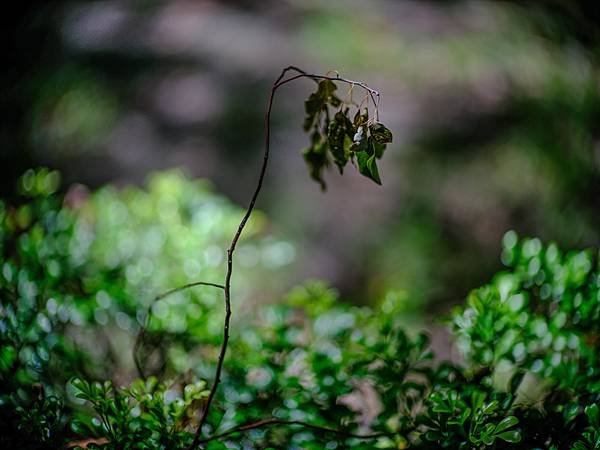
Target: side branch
pixel 142 332
pixel 273 421
pixel 187 286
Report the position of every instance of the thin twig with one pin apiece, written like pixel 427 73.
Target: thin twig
pixel 142 332
pixel 187 286
pixel 280 81
pixel 273 421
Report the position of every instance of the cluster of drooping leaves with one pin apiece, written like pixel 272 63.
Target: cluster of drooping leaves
pixel 335 136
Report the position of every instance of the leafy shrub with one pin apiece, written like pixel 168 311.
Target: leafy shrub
pixel 347 370
pixel 145 415
pixel 536 329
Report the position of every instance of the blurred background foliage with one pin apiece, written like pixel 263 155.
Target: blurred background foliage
pixel 494 108
pixel 80 275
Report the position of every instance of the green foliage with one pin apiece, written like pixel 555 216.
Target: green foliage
pixel 340 138
pixel 79 273
pixel 146 415
pixel 41 423
pixel 542 316
pixel 311 358
pixel 536 328
pixel 482 421
pixel 70 273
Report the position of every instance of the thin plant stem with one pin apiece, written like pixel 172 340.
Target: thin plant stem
pixel 272 421
pixel 279 82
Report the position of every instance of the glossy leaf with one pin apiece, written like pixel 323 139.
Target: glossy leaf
pixel 339 130
pixel 367 166
pixel 380 133
pixel 506 423
pixel 513 436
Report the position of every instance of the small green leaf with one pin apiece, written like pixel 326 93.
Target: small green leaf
pixel 488 428
pixel 372 164
pixel 506 423
pixel 465 415
pixel 376 148
pixel 477 398
pixel 487 439
pixel 571 411
pixel 593 414
pixel 367 166
pixel 78 383
pixel 512 436
pixel 490 407
pixel 441 408
pixel 326 89
pixel 380 133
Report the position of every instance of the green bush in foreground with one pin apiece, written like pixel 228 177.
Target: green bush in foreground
pixel 307 373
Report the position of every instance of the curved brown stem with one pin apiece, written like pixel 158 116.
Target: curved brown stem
pixel 273 421
pixel 280 81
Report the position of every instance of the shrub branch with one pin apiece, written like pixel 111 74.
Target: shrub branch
pixel 273 421
pixel 142 332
